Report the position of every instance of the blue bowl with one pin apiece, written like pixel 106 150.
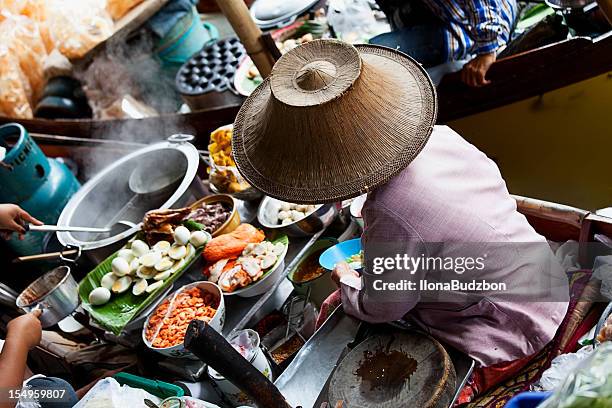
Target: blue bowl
pixel 339 253
pixel 527 400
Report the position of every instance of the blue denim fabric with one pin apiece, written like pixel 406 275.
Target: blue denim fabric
pixel 52 383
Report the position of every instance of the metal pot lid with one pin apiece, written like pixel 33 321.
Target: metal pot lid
pixel 278 13
pixel 107 197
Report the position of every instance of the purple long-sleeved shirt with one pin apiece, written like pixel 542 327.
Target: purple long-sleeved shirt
pixel 453 194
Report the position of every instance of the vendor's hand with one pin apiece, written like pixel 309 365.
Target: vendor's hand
pixel 11 219
pixel 474 72
pixel 340 270
pixel 26 329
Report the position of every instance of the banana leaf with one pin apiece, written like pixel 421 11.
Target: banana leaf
pixel 122 308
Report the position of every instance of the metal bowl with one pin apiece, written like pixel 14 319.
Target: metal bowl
pixel 232 222
pixel 55 294
pixel 568 4
pixel 309 225
pixel 217 322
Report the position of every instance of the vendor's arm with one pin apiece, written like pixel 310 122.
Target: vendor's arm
pixel 487 29
pixel 384 236
pixel 24 333
pixel 11 218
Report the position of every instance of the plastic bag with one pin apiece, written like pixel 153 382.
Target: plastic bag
pixel 559 367
pixel 589 385
pixel 36 10
pixel 108 393
pixel 77 26
pixel 602 270
pixel 15 89
pixel 119 8
pixel 21 36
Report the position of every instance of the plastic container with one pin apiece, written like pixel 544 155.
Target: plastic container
pixel 160 389
pixel 527 400
pixel 188 36
pixel 339 253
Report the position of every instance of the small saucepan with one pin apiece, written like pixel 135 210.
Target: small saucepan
pixel 55 294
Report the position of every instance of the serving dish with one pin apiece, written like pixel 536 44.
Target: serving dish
pixel 269 278
pixel 232 221
pixel 319 287
pixel 122 308
pixel 320 218
pixel 216 322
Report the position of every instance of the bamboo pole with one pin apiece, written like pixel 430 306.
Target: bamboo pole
pixel 237 13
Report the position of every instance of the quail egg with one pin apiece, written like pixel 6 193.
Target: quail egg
pixel 198 238
pixel 139 287
pixel 162 246
pixel 120 266
pixel 99 296
pixel 177 252
pixel 150 259
pixel 125 253
pixel 181 235
pixel 154 286
pixel 162 276
pixel 145 272
pixel 108 280
pixel 139 248
pixel 164 264
pixel 122 284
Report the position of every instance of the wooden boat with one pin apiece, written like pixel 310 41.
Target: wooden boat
pixel 514 78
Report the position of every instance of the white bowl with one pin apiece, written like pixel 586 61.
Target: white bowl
pixel 264 284
pixel 216 322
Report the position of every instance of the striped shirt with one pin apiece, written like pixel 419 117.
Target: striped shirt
pixel 475 26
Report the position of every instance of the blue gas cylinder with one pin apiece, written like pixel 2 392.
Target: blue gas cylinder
pixel 39 185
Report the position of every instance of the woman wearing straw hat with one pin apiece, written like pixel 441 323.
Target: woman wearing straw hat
pixel 334 121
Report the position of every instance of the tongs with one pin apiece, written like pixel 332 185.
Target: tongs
pixel 62 228
pixel 66 228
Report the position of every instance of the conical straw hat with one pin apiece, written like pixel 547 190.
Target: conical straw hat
pixel 333 121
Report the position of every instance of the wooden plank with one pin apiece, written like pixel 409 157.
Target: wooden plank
pixel 526 75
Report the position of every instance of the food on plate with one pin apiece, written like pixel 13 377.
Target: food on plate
pixel 181 235
pixel 139 248
pixel 139 287
pixel 355 261
pixel 289 213
pixel 154 286
pixel 108 280
pixel 144 269
pixel 241 259
pixel 223 173
pixel 211 216
pixel 162 246
pixel 198 238
pixel 291 43
pixel 177 252
pixel 120 266
pixel 169 322
pixel 99 296
pixel 159 225
pixel 150 259
pixel 164 264
pixel 231 245
pixel 122 284
pixel 310 268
